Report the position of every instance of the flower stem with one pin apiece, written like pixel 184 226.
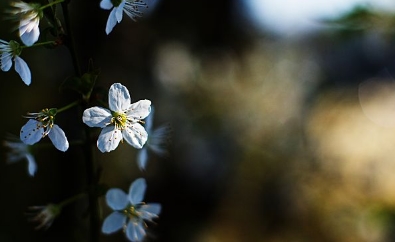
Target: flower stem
pixel 91 170
pixel 92 180
pixel 70 42
pixel 71 199
pixel 75 103
pixel 39 44
pixel 50 4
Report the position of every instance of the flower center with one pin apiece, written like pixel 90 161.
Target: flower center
pixel 131 212
pixel 46 117
pixel 116 3
pixel 120 120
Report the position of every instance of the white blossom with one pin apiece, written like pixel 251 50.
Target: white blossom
pixel 44 215
pixel 42 124
pixel 130 7
pixel 10 51
pixel 121 121
pixel 129 211
pixel 20 151
pixel 29 15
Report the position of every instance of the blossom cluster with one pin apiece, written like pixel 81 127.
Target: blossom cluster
pixel 122 120
pixel 29 15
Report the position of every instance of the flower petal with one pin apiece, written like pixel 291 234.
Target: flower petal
pixel 109 139
pixel 3 43
pixel 31 132
pixel 142 158
pixel 158 140
pixel 106 4
pixel 58 138
pixel 17 150
pixel 116 199
pixel 135 135
pixel 118 97
pixel 135 231
pixel 6 61
pixel 111 22
pixel 32 166
pixel 96 117
pixel 119 11
pixel 113 223
pixel 137 191
pixel 30 36
pixel 150 211
pixel 140 109
pixel 23 70
pixel 149 121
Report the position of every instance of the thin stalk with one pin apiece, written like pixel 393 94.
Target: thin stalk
pixel 50 4
pixel 39 44
pixel 92 180
pixel 75 103
pixel 91 170
pixel 71 199
pixel 70 43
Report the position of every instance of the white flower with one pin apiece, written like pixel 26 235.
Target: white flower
pixel 42 124
pixel 129 211
pixel 10 51
pixel 29 15
pixel 122 121
pixel 19 151
pixel 130 7
pixel 157 141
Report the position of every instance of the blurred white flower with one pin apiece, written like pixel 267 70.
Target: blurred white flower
pixel 19 151
pixel 44 215
pixel 130 7
pixel 42 124
pixel 29 15
pixel 157 141
pixel 129 211
pixel 122 121
pixel 10 51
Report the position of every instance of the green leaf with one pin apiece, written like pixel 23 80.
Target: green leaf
pixel 84 84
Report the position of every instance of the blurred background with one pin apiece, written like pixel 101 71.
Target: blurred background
pixel 282 117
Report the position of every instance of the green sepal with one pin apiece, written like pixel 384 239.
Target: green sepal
pixel 52 112
pixel 15 47
pixel 116 3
